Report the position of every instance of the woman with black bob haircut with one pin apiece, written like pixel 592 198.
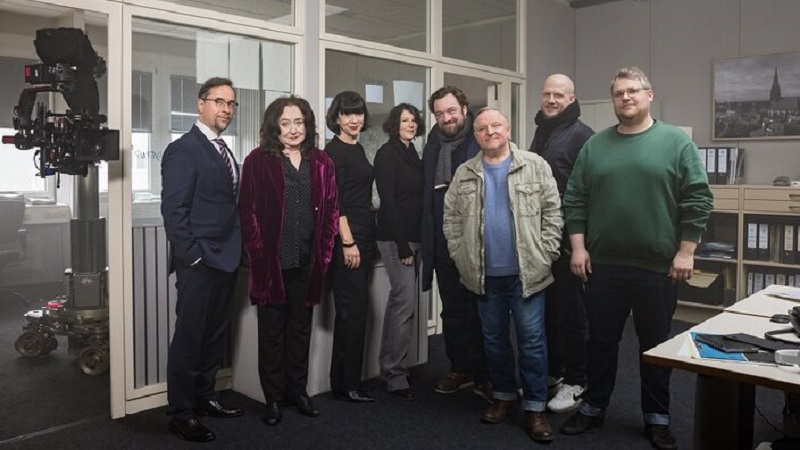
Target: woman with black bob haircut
pixel 399 178
pixel 354 247
pixel 289 214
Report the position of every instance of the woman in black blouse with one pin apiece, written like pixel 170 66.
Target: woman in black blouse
pixel 354 247
pixel 399 178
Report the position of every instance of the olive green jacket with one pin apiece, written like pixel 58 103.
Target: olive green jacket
pixel 536 209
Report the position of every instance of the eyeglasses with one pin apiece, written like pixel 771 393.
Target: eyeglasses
pixel 630 91
pixel 452 112
pixel 221 103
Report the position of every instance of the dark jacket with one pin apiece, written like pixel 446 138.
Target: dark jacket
pixel 262 210
pixel 562 149
pixel 198 204
pixel 433 240
pixel 399 178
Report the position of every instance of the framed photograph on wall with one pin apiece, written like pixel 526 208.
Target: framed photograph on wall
pixel 757 97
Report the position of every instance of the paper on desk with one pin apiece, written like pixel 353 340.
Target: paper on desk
pixel 786 295
pixel 688 349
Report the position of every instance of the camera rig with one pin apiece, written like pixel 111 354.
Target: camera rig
pixel 71 141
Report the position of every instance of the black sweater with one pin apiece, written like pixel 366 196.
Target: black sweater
pixel 399 178
pixel 354 176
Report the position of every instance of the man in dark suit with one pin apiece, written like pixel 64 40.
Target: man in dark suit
pixel 200 181
pixel 451 143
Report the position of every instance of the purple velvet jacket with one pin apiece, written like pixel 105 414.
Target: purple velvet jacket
pixel 261 207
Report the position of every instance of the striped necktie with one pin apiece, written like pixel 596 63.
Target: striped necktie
pixel 223 152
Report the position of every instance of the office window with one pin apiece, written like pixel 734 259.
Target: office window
pixel 481 31
pixel 273 11
pixel 402 24
pixel 183 103
pixel 142 125
pixel 142 101
pixel 169 63
pixel 19 171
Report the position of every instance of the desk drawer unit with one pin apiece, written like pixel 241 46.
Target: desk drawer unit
pixel 772 200
pixel 726 198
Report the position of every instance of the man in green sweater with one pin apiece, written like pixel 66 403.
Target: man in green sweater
pixel 636 205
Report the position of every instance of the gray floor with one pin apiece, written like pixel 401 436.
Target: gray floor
pixel 45 392
pixel 431 421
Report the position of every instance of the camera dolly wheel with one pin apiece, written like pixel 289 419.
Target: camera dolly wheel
pixel 51 343
pixel 94 359
pixel 32 344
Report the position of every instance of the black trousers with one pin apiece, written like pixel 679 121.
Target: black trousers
pixel 284 334
pixel 461 324
pixel 612 293
pixel 351 298
pixel 203 313
pixel 565 322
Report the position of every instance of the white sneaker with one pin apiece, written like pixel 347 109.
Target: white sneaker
pixel 553 385
pixel 566 399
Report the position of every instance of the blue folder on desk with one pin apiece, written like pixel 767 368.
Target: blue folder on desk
pixel 706 351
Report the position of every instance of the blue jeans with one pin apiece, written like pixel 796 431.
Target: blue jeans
pixel 504 296
pixel 612 293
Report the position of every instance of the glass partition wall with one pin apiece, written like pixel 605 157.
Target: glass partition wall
pixel 54 266
pixel 169 62
pixel 473 44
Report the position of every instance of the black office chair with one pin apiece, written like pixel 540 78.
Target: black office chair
pixel 13 239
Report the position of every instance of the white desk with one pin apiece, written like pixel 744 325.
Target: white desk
pixel 669 354
pixel 763 304
pixel 725 391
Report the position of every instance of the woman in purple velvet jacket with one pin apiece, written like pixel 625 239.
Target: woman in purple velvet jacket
pixel 289 213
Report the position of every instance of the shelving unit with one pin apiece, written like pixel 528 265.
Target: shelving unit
pixel 734 208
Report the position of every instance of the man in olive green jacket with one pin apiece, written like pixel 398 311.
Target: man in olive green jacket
pixel 502 221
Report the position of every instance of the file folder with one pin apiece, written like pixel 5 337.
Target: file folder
pixel 763 241
pixel 722 165
pixel 789 236
pixel 711 165
pixel 751 238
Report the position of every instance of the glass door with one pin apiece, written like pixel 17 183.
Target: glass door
pixel 54 268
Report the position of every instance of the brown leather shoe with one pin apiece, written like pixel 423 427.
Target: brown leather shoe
pixel 498 411
pixel 452 382
pixel 539 427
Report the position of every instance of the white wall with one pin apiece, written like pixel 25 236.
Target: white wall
pixel 675 42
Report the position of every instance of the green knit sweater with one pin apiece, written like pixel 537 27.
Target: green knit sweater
pixel 635 197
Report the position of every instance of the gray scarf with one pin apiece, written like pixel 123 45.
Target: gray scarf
pixel 447 145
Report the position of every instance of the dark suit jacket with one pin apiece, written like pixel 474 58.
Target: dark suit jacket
pixel 198 204
pixel 262 210
pixel 430 213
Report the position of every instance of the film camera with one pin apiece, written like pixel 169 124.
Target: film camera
pixel 70 143
pixel 67 142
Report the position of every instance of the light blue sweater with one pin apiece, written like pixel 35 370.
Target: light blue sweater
pixel 501 255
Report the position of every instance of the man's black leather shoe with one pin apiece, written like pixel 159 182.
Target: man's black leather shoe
pixel 191 430
pixel 214 409
pixel 405 394
pixel 272 414
pixel 353 396
pixel 580 423
pixel 306 406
